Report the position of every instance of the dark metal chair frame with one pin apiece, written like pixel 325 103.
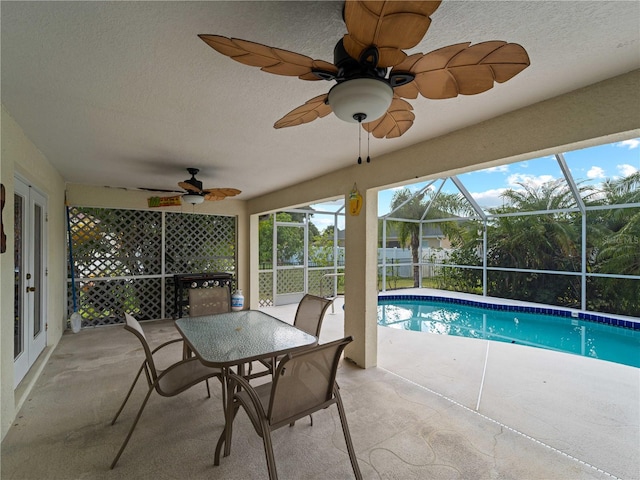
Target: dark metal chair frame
pixel 309 318
pixel 291 396
pixel 177 378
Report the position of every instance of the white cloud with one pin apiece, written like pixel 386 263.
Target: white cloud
pixel 595 172
pixel 500 169
pixel 534 180
pixel 630 144
pixel 625 169
pixel 489 198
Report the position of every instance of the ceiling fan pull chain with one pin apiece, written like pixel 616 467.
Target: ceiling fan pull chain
pixel 359 144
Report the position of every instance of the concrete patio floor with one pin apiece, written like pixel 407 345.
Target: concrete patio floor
pixel 435 407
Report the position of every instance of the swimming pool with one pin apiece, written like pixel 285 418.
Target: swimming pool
pixel 610 339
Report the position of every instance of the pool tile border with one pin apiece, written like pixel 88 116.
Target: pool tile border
pixel 589 317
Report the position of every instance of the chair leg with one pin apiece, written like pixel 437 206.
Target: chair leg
pixel 135 422
pixel 208 390
pixel 268 451
pixel 347 436
pixel 216 458
pixel 128 395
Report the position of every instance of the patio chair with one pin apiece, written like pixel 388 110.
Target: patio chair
pixel 304 383
pixel 309 317
pixel 209 301
pixel 177 378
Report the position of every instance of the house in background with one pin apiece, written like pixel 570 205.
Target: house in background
pixel 432 237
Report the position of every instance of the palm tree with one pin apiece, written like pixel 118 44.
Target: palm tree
pixel 618 249
pixel 412 207
pixel 548 241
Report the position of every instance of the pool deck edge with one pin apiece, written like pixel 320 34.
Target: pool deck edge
pixel 496 303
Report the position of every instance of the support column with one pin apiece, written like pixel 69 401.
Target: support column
pixel 361 282
pixel 252 293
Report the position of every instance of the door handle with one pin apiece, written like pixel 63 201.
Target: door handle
pixel 31 289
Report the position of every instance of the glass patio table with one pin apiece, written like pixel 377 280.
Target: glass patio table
pixel 225 340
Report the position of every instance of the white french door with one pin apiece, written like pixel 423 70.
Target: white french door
pixel 30 335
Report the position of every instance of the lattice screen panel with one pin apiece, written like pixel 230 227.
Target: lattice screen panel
pixel 112 249
pixel 103 302
pixel 116 243
pixel 290 280
pixel 265 280
pixel 200 243
pixel 319 284
pixel 169 297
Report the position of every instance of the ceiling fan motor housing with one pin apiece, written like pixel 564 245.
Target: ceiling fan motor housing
pixel 349 67
pixel 193 181
pixel 362 92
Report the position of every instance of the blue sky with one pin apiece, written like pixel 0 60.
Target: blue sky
pixel 589 166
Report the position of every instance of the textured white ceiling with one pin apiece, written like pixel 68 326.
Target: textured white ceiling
pixel 125 94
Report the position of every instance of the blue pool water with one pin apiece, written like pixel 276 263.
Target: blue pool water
pixel 511 324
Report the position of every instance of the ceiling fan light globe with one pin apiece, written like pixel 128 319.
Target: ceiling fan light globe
pixel 193 198
pixel 351 99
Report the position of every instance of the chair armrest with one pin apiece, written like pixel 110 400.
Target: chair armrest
pixel 244 383
pixel 213 370
pixel 175 340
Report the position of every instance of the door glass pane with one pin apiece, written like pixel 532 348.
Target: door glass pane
pixel 18 332
pixel 290 246
pixel 37 270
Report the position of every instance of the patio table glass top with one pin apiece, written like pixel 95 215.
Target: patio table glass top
pixel 227 339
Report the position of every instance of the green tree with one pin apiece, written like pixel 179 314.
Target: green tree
pixel 407 205
pixel 622 226
pixel 321 248
pixel 423 206
pixel 290 239
pixel 550 241
pixel 618 248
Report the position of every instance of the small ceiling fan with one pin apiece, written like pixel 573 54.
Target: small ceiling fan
pixel 372 71
pixel 196 194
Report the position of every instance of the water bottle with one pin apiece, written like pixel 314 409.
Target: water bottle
pixel 237 301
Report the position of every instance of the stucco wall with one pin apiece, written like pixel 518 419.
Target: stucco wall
pixel 20 156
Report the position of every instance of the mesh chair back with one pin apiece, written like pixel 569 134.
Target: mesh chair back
pixel 134 327
pixel 310 314
pixel 133 323
pixel 209 301
pixel 304 381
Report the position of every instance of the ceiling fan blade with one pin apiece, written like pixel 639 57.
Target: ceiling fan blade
pixel 461 69
pixel 389 25
pixel 224 192
pixel 187 186
pixel 214 194
pixel 394 123
pixel 312 109
pixel 269 59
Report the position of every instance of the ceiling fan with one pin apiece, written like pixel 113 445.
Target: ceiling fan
pixel 196 194
pixel 372 71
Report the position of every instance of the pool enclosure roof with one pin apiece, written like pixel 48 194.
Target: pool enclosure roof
pixel 582 231
pixel 581 174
